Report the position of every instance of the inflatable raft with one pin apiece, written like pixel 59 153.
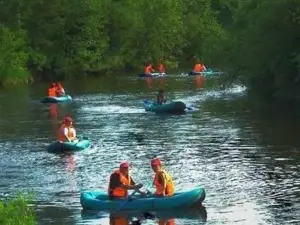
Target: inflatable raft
pixel 169 107
pixel 152 75
pixel 99 200
pixel 206 73
pixel 65 98
pixel 58 147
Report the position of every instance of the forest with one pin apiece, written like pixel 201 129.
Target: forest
pixel 256 42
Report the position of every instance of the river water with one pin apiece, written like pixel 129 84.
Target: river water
pixel 247 160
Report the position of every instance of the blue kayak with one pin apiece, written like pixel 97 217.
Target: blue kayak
pixel 58 147
pixel 152 75
pixel 99 200
pixel 65 98
pixel 168 107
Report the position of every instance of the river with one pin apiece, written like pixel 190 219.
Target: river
pixel 247 160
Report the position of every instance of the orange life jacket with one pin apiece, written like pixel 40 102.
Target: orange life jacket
pixel 118 221
pixel 169 191
pixel 119 191
pixel 161 68
pixel 148 69
pixel 52 92
pixel 198 68
pixel 61 136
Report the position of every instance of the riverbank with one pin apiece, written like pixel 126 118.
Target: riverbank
pixel 17 211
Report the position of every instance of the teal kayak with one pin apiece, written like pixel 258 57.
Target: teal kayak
pixel 169 107
pixel 152 75
pixel 58 147
pixel 65 98
pixel 99 200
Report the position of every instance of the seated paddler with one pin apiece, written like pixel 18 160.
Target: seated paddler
pixel 160 97
pixel 163 182
pixel 67 132
pixel 120 182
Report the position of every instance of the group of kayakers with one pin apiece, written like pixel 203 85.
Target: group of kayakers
pixel 149 69
pixel 56 90
pixel 120 182
pixel 198 67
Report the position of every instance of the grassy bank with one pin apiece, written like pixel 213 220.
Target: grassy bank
pixel 16 211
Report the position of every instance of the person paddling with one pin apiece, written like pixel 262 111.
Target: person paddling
pixel 60 91
pixel 161 67
pixel 160 97
pixel 199 67
pixel 148 69
pixel 163 182
pixel 52 90
pixel 66 131
pixel 120 182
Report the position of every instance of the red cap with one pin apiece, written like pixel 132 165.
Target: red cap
pixel 155 162
pixel 124 165
pixel 68 119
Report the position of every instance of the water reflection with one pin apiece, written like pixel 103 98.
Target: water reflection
pixel 168 217
pixel 199 80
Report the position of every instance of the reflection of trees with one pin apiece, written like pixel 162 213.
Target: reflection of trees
pixel 48 215
pixel 266 133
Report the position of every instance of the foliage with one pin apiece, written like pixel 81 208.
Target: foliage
pixel 17 212
pixel 255 41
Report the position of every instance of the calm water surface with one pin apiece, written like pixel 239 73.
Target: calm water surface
pixel 247 160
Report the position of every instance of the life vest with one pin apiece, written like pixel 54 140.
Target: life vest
pixel 148 69
pixel 70 134
pixel 169 191
pixel 119 221
pixel 52 92
pixel 166 222
pixel 119 191
pixel 161 68
pixel 198 68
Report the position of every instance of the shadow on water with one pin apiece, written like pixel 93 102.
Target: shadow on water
pixel 167 217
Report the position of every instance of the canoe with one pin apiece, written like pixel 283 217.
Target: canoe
pixel 58 147
pixel 152 75
pixel 65 98
pixel 169 107
pixel 99 200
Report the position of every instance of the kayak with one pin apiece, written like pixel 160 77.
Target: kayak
pixel 206 73
pixel 64 98
pixel 152 75
pixel 169 107
pixel 58 147
pixel 99 200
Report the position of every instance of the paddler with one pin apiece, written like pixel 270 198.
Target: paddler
pixel 120 182
pixel 163 182
pixel 67 132
pixel 199 67
pixel 148 69
pixel 160 97
pixel 52 90
pixel 161 67
pixel 60 91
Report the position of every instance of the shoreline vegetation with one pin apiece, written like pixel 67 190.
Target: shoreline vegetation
pixel 17 211
pixel 245 39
